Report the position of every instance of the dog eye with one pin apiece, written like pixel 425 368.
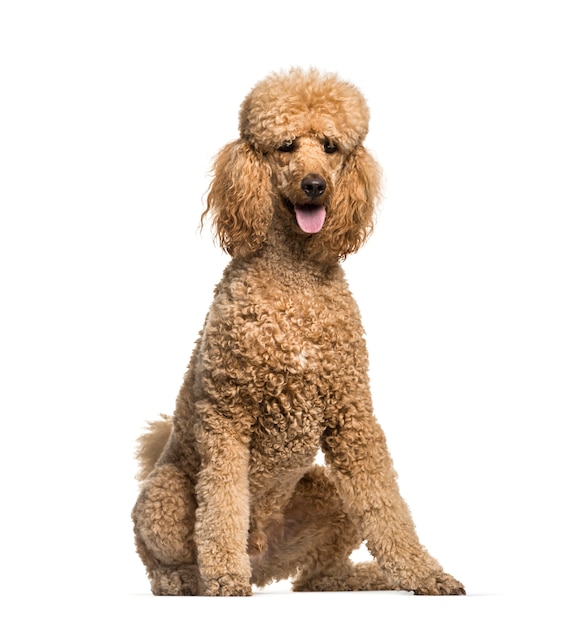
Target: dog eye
pixel 287 146
pixel 329 147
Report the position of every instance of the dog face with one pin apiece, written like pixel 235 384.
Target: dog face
pixel 300 152
pixel 305 171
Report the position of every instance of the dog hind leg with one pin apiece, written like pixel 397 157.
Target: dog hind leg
pixel 367 576
pixel 164 525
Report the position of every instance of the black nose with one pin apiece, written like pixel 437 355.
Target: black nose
pixel 313 185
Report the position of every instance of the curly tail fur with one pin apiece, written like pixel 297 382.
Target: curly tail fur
pixel 151 444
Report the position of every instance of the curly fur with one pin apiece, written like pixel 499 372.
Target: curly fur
pixel 230 494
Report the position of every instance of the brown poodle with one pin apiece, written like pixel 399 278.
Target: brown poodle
pixel 231 496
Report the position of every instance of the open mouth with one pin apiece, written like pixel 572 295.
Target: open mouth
pixel 309 217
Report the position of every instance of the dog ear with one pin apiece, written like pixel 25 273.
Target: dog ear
pixel 239 198
pixel 351 217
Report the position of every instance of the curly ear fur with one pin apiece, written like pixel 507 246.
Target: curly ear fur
pixel 351 217
pixel 240 198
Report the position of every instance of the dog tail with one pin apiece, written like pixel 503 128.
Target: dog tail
pixel 151 444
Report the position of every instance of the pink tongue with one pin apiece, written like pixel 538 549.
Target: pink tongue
pixel 310 217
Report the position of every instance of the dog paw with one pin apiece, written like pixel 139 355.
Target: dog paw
pixel 440 584
pixel 229 585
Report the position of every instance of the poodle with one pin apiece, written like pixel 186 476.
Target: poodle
pixel 231 496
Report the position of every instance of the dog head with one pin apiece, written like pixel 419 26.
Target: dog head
pixel 300 153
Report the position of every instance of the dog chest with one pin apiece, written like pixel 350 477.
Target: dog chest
pixel 283 357
pixel 287 329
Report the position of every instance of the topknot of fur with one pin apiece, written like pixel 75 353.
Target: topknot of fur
pixel 286 105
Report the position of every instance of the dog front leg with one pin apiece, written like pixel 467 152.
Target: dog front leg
pixel 222 517
pixel 365 478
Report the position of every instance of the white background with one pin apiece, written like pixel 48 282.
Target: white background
pixel 470 289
